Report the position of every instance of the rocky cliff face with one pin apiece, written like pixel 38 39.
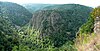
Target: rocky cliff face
pixel 63 23
pixel 97 25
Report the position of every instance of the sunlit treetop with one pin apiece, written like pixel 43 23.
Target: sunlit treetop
pixel 96 12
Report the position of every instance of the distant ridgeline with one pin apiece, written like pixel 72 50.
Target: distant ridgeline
pixel 35 7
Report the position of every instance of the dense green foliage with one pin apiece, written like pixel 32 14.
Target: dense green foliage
pixel 60 21
pixel 17 14
pixel 87 36
pixel 96 12
pixel 88 26
pixel 30 40
pixel 52 28
pixel 11 15
pixel 8 36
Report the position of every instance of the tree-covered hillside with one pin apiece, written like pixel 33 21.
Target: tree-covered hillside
pixel 8 35
pixel 17 14
pixel 52 28
pixel 60 21
pixel 88 37
pixel 67 7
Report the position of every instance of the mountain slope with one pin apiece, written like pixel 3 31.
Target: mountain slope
pixel 17 14
pixel 8 35
pixel 60 21
pixel 88 38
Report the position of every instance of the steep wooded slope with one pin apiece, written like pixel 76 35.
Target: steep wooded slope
pixel 88 38
pixel 17 14
pixel 60 21
pixel 8 35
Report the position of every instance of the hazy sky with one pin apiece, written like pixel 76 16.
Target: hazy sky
pixel 91 3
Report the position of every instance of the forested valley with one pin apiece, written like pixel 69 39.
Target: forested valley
pixel 49 27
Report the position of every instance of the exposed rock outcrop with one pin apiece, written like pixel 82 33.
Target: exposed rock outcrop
pixel 97 25
pixel 60 24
